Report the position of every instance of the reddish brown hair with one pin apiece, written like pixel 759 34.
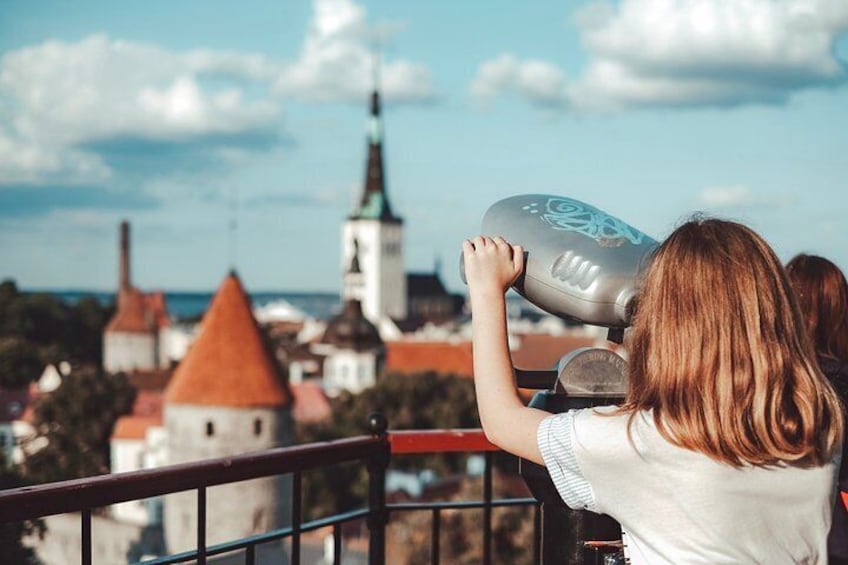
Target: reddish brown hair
pixel 823 296
pixel 719 353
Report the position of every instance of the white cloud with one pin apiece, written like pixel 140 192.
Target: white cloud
pixel 336 62
pixel 702 52
pixel 62 104
pixel 58 97
pixel 539 82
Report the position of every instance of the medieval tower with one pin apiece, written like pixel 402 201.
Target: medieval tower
pixel 372 239
pixel 132 339
pixel 227 397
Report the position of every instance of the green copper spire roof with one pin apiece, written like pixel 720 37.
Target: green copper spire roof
pixel 374 203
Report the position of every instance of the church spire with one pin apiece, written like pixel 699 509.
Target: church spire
pixel 374 203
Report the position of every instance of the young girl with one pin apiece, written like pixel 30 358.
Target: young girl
pixel 823 296
pixel 726 448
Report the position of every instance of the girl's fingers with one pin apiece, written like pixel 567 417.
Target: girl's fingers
pixel 518 258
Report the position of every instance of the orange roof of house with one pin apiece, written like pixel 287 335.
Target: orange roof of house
pixel 131 315
pixel 134 427
pixel 139 312
pixel 543 351
pixel 229 363
pixel 311 405
pixel 146 412
pixel 148 403
pixel 421 356
pixel 154 303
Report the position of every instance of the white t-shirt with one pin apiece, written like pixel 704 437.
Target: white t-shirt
pixel 677 506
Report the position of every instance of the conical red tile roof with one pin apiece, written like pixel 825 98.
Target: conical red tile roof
pixel 229 363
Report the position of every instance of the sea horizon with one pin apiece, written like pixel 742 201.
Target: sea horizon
pixel 187 305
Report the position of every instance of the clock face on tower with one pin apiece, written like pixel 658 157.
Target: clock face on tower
pixel 391 248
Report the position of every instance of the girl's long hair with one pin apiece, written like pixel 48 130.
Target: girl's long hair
pixel 822 294
pixel 719 352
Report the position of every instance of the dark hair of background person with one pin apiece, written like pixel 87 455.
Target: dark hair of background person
pixel 822 293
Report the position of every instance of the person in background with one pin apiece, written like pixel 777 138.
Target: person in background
pixel 822 293
pixel 726 448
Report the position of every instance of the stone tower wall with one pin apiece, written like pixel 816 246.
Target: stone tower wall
pixel 239 509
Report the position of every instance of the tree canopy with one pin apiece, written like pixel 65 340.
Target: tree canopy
pixel 76 420
pixel 423 401
pixel 36 329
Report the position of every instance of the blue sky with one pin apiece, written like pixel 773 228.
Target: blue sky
pixel 181 115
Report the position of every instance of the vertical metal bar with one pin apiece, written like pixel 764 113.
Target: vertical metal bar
pixel 537 534
pixel 201 526
pixel 487 510
pixel 377 512
pixel 560 535
pixel 297 501
pixel 337 544
pixel 85 518
pixel 434 536
pixel 250 555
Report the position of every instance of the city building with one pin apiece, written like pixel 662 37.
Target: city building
pixel 372 239
pixel 133 339
pixel 227 397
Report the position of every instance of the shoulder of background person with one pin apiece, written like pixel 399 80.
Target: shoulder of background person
pixel 836 371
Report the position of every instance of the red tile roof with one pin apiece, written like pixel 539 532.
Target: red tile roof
pixel 146 412
pixel 134 427
pixel 131 315
pixel 311 405
pixel 409 357
pixel 542 351
pixel 148 403
pixel 229 363
pixel 139 312
pixel 155 304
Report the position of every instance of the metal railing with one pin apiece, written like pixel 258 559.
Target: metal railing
pixel 375 451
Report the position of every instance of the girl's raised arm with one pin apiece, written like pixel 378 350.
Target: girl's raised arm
pixel 491 266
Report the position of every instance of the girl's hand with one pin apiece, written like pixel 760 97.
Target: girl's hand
pixel 491 265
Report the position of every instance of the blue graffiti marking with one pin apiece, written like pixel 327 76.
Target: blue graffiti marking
pixel 572 215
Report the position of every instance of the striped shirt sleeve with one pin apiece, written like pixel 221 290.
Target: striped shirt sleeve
pixel 555 438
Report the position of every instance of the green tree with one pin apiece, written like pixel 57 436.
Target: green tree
pixel 76 420
pixel 20 362
pixel 409 402
pixel 462 532
pixel 41 327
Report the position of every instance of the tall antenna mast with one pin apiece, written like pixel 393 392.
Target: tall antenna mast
pixel 232 228
pixel 376 69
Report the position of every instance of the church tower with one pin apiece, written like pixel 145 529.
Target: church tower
pixel 131 340
pixel 372 237
pixel 227 397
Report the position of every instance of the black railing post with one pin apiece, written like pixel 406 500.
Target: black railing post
pixel 377 513
pixel 558 536
pixel 537 534
pixel 201 525
pixel 296 517
pixel 436 532
pixel 85 556
pixel 487 509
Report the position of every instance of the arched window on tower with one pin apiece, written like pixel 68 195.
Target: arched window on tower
pixel 210 429
pixel 257 427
